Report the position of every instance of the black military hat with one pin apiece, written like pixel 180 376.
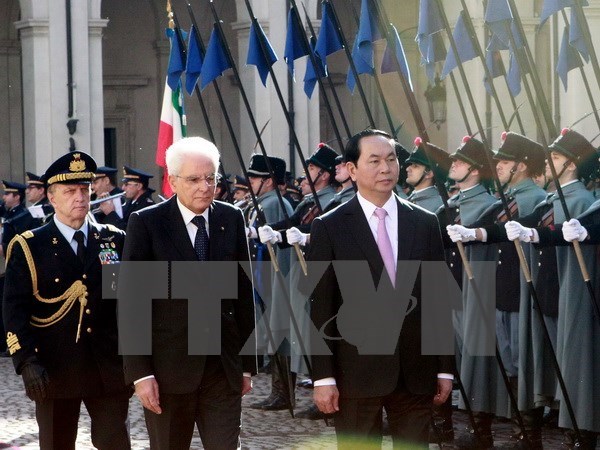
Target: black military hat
pixel 72 168
pixel 130 174
pixel 401 154
pixel 579 150
pixel 324 158
pixel 432 157
pixel 258 167
pixel 473 152
pixel 240 182
pixel 516 147
pixel 10 187
pixel 339 159
pixel 33 179
pixel 104 171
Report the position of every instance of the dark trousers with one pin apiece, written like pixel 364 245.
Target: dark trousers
pixel 214 408
pixel 57 420
pixel 359 421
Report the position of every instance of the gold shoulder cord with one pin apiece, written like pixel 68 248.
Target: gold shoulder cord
pixel 77 291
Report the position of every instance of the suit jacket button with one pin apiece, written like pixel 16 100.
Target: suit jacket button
pixel 88 311
pixel 89 330
pixel 84 276
pixel 56 280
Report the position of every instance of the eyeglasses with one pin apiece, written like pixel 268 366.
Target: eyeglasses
pixel 210 180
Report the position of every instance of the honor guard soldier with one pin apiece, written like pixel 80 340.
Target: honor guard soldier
pixel 426 164
pixel 104 185
pixel 61 333
pixel 321 168
pixel 36 196
pixel 240 192
pixel 264 188
pixel 519 160
pixel 470 170
pixel 577 329
pixel 17 217
pixel 137 192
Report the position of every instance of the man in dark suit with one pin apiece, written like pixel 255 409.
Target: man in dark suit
pixel 61 333
pixel 176 389
pixel 378 227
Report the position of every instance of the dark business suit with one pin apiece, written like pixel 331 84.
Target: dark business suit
pixel 405 375
pixel 89 370
pixel 158 233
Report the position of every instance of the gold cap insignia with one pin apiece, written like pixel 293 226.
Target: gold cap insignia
pixel 77 165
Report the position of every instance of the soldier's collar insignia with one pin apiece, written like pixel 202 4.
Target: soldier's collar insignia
pixel 54 240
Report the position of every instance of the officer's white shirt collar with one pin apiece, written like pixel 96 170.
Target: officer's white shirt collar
pixel 391 220
pixel 69 232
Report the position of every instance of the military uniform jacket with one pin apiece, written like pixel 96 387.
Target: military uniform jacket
pixel 522 199
pixel 428 198
pixel 299 218
pixel 130 207
pixel 339 198
pixel 113 218
pixel 46 331
pixel 17 220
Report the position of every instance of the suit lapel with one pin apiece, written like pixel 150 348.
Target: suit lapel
pixel 174 227
pixel 62 247
pixel 217 228
pixel 406 227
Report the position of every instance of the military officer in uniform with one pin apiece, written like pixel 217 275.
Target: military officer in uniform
pixel 104 185
pixel 61 333
pixel 137 192
pixel 36 196
pixel 17 217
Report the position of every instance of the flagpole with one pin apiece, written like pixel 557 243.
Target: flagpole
pixel 330 82
pixel 523 262
pixel 359 85
pixel 386 109
pixel 584 78
pixel 317 71
pixel 475 42
pixel 537 85
pixel 585 28
pixel 182 46
pixel 233 65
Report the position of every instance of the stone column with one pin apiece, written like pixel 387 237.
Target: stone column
pixel 45 92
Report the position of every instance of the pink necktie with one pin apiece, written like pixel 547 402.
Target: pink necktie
pixel 385 246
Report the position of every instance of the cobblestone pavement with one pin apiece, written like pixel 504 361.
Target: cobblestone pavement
pixel 260 430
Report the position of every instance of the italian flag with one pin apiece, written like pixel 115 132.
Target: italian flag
pixel 172 128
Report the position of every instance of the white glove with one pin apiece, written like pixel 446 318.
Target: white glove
pixel 295 236
pixel 268 234
pixel 460 233
pixel 572 230
pixel 514 230
pixel 251 233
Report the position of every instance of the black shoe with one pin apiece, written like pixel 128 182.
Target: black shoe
pixel 311 413
pixel 263 403
pixel 470 440
pixel 277 404
pixel 441 432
